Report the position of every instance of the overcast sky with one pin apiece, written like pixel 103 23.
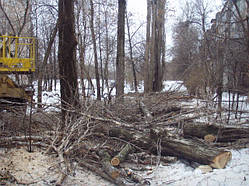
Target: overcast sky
pixel 139 10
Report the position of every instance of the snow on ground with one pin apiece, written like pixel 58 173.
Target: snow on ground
pixel 178 174
pixel 28 168
pixel 244 105
pixel 36 168
pixel 53 97
pixel 174 86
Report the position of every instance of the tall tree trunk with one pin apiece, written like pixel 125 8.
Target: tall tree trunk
pixel 220 72
pixel 156 47
pixel 153 47
pixel 82 48
pixel 155 41
pixel 147 68
pixel 67 58
pixel 163 55
pixel 95 51
pixel 120 67
pixel 131 54
pixel 100 55
pixel 82 61
pixel 82 66
pixel 106 71
pixel 158 43
pixel 161 43
pixel 55 66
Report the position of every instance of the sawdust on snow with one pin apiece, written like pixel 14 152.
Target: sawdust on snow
pixel 37 168
pixel 29 167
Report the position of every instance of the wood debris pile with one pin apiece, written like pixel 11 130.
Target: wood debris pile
pixel 139 129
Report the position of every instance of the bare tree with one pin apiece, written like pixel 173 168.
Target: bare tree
pixel 44 63
pixel 131 53
pixel 120 67
pixel 147 71
pixel 81 26
pixel 242 18
pixel 95 50
pixel 66 55
pixel 154 45
pixel 13 21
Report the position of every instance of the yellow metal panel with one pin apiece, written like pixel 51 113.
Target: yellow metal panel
pixel 17 54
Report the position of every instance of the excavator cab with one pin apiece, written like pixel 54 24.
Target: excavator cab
pixel 17 57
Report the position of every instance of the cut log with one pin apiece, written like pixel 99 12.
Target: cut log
pixel 176 146
pixel 122 155
pixel 23 141
pixel 109 169
pixel 195 151
pixel 209 138
pixel 136 178
pixel 150 159
pixel 96 170
pixel 145 110
pixel 220 161
pixel 221 133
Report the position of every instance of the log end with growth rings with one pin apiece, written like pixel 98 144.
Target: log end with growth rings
pixel 115 161
pixel 115 174
pixel 209 138
pixel 220 161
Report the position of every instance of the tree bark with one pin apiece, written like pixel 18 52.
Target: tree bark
pixel 131 54
pixel 145 110
pixel 96 170
pixel 120 67
pixel 66 57
pixel 154 55
pixel 111 171
pixel 82 45
pixel 221 133
pixel 147 87
pixel 121 156
pixel 175 146
pixel 106 71
pixel 95 51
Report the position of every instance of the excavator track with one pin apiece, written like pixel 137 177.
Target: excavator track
pixel 13 105
pixel 12 97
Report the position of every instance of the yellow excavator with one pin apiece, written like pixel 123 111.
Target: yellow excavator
pixel 17 57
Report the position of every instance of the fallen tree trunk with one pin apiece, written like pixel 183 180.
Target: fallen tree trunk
pixel 96 170
pixel 198 152
pixel 24 141
pixel 150 159
pixel 145 110
pixel 175 146
pixel 221 133
pixel 109 169
pixel 121 156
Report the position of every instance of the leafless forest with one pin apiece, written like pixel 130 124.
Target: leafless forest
pixel 87 52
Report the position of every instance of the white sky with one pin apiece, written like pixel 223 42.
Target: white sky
pixel 139 9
